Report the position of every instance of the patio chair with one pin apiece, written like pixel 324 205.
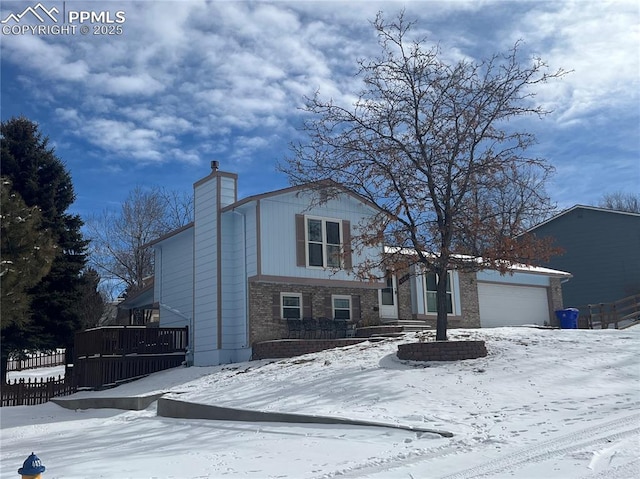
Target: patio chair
pixel 294 326
pixel 326 327
pixel 310 327
pixel 340 327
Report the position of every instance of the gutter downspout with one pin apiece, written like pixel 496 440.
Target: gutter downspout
pixel 244 279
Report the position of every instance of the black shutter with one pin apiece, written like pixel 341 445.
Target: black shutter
pixel 346 243
pixel 355 308
pixel 301 259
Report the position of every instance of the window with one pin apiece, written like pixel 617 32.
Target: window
pixel 291 305
pixel 432 306
pixel 341 307
pixel 324 243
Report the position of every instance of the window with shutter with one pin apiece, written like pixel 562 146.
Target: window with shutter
pixel 321 242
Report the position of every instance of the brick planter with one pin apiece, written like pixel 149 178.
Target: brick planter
pixel 442 350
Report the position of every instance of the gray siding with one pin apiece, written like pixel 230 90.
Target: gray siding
pixel 602 251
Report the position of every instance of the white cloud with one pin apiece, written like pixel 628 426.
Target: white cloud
pixel 53 61
pixel 599 42
pixel 198 79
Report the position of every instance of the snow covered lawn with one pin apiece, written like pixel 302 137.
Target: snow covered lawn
pixel 543 404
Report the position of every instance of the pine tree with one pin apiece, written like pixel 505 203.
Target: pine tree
pixel 42 180
pixel 27 252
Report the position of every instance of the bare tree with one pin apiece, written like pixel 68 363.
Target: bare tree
pixel 435 147
pixel 621 201
pixel 119 240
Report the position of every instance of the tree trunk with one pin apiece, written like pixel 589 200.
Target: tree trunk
pixel 4 360
pixel 441 301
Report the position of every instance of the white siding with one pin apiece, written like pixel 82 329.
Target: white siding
pixel 234 284
pixel 227 191
pixel 251 237
pixel 278 234
pixel 206 276
pixel 173 287
pixel 515 278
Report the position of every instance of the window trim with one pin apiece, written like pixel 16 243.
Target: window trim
pixel 282 307
pixel 452 293
pixel 333 305
pixel 325 244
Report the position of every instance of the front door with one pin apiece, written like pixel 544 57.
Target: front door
pixel 388 298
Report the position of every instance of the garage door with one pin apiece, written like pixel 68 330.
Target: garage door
pixel 507 305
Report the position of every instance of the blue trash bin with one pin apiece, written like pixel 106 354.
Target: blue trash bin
pixel 568 318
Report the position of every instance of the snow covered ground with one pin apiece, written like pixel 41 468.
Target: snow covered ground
pixel 543 404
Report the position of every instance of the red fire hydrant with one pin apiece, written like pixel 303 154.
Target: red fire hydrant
pixel 32 468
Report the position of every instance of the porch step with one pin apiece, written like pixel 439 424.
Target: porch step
pixel 411 325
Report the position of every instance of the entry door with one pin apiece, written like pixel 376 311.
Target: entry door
pixel 388 298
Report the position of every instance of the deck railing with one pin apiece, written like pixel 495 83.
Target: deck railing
pixel 621 314
pixel 110 355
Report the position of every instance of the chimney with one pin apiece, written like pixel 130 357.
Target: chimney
pixel 215 165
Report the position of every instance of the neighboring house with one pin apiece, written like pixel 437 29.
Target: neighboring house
pixel 601 249
pixel 242 266
pixel 139 308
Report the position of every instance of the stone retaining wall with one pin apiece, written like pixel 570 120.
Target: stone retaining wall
pixel 442 350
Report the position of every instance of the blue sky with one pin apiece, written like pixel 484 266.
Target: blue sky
pixel 190 82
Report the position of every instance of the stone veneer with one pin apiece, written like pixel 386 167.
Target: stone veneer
pixel 266 325
pixel 555 298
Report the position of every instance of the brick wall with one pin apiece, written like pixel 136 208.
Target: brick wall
pixel 288 348
pixel 442 351
pixel 266 325
pixel 469 301
pixel 404 295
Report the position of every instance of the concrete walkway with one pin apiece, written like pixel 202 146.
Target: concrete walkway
pixel 186 410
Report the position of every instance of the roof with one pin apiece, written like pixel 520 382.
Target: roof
pixel 583 207
pixel 315 185
pixel 523 268
pixel 141 298
pixel 170 234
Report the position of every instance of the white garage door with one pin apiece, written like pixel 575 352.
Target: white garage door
pixel 507 305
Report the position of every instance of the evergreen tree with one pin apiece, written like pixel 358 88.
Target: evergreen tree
pixel 42 180
pixel 91 305
pixel 26 252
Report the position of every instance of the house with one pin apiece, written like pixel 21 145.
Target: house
pixel 243 265
pixel 138 309
pixel 601 249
